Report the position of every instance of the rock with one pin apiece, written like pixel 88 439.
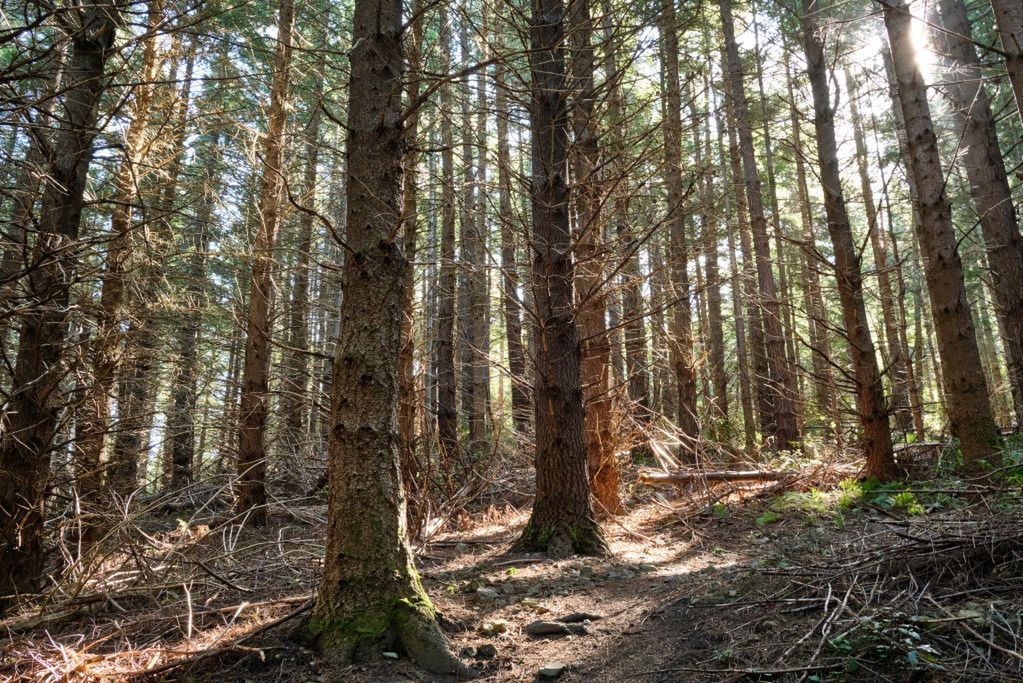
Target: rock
pixel 508 588
pixel 552 670
pixel 586 571
pixel 484 594
pixel 390 655
pixel 554 628
pixel 579 617
pixel 486 651
pixel 495 628
pixel 646 568
pixel 467 651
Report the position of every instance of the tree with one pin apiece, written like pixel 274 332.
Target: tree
pixel 31 422
pixel 969 407
pixel 1009 20
pixel 780 378
pixel 255 391
pixel 370 598
pixel 870 402
pixel 989 186
pixel 561 522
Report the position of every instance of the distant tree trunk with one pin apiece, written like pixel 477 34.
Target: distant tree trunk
pixel 509 265
pixel 94 415
pixel 897 355
pixel 989 185
pixel 738 286
pixel 1009 21
pixel 561 522
pixel 870 402
pixel 250 490
pixel 295 370
pixel 784 293
pixel 35 404
pixel 371 599
pixel 716 334
pixel 410 234
pixel 683 359
pixel 590 272
pixel 781 379
pixel 820 351
pixel 969 406
pixel 447 415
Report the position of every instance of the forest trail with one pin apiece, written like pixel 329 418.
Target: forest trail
pixel 751 583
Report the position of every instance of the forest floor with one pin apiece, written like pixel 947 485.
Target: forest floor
pixel 821 580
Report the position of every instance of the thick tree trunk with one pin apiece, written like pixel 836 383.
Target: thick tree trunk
pixel 870 402
pixel 370 599
pixel 590 271
pixel 969 406
pixel 35 403
pixel 682 356
pixel 561 522
pixel 780 378
pixel 989 186
pixel 250 491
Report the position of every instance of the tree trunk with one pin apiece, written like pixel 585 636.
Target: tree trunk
pixel 370 599
pixel 94 414
pixel 989 186
pixel 870 402
pixel 682 357
pixel 590 274
pixel 897 355
pixel 561 522
pixel 969 406
pixel 780 378
pixel 820 351
pixel 509 265
pixel 447 416
pixel 1009 21
pixel 250 491
pixel 35 406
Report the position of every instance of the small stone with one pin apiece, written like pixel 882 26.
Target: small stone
pixel 468 651
pixel 547 628
pixel 508 588
pixel 390 655
pixel 486 651
pixel 553 670
pixel 646 568
pixel 529 602
pixel 586 571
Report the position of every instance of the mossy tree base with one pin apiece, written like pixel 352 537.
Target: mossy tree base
pixel 563 540
pixel 363 634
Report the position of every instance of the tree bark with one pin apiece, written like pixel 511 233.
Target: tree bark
pixel 250 490
pixel 370 599
pixel 561 522
pixel 870 402
pixel 969 406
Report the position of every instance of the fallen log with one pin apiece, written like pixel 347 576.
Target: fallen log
pixel 661 478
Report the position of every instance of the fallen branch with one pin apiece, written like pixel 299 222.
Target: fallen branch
pixel 660 478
